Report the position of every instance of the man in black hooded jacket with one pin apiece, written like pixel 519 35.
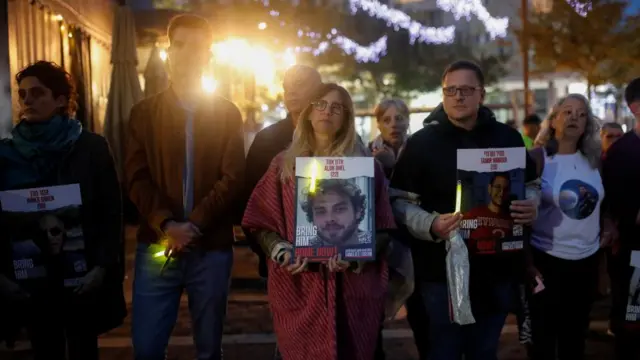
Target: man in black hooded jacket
pixel 427 167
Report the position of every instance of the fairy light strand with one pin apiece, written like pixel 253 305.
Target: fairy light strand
pixel 397 20
pixel 363 54
pixel 496 27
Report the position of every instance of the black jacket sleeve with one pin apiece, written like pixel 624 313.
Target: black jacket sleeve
pixel 109 247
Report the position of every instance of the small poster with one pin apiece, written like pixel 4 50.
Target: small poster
pixel 45 234
pixel 334 208
pixel 632 314
pixel 488 181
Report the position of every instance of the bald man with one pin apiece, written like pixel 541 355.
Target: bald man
pixel 300 82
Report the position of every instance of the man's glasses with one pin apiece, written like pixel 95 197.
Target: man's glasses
pixel 464 90
pixel 321 105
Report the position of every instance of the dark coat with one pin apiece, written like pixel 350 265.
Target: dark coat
pixel 89 163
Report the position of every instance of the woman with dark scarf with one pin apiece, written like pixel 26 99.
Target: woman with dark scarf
pixel 50 148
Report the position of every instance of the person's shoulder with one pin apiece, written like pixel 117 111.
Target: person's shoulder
pixel 506 132
pixel 625 144
pixel 428 132
pixel 221 105
pixel 141 112
pixel 92 141
pixel 278 160
pixel 272 131
pixel 91 137
pixel 148 102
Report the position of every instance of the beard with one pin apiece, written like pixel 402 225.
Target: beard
pixel 339 239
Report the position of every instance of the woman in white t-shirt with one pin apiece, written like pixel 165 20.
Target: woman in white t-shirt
pixel 566 235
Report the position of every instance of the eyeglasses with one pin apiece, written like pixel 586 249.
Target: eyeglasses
pixel 464 90
pixel 321 105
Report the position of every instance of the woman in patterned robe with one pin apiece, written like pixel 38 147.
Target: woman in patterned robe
pixel 329 311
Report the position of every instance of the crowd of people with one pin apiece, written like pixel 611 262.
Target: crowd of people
pixel 187 174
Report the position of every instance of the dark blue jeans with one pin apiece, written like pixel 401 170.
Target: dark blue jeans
pixel 156 300
pixel 449 341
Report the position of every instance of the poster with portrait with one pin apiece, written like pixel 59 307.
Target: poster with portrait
pixel 632 313
pixel 335 208
pixel 489 180
pixel 45 233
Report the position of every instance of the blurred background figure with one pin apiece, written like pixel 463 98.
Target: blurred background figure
pixel 392 118
pixel 530 129
pixel 609 133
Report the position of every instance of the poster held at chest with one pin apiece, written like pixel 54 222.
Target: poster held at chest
pixel 334 208
pixel 632 313
pixel 45 234
pixel 490 180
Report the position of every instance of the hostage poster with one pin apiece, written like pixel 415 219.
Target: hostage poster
pixel 45 234
pixel 334 208
pixel 488 181
pixel 632 314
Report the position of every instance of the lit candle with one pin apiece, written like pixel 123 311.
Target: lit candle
pixel 458 196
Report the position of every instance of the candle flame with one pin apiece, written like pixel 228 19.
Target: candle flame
pixel 314 176
pixel 458 196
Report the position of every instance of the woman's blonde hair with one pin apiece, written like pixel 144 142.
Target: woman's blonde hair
pixel 345 143
pixel 386 104
pixel 589 143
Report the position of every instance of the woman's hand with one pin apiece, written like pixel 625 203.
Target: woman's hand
pixel 537 280
pixel 336 264
pixel 297 267
pixel 524 211
pixel 385 156
pixel 91 281
pixel 11 290
pixel 609 234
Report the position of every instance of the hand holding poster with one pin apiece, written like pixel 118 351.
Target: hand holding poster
pixel 490 180
pixel 45 234
pixel 632 314
pixel 335 200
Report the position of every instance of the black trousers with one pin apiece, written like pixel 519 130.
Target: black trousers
pixel 560 313
pixel 58 330
pixel 419 322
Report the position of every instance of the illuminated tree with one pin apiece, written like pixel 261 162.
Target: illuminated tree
pixel 601 44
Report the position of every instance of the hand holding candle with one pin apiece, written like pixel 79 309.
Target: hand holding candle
pixel 444 224
pixel 179 235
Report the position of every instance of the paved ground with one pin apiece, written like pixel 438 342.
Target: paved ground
pixel 248 330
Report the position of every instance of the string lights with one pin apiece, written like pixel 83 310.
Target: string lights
pixel 582 8
pixel 496 27
pixel 362 54
pixel 396 19
pixel 400 20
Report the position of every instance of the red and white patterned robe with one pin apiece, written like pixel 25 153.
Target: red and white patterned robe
pixel 304 305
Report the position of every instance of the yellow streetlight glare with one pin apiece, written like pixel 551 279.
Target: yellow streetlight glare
pixel 209 84
pixel 289 58
pixel 262 26
pixel 163 55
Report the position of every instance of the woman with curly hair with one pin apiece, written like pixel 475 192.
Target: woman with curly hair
pixel 340 303
pixel 566 235
pixel 49 148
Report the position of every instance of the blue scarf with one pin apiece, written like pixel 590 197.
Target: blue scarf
pixel 37 149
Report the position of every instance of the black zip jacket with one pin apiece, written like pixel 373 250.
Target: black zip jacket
pixel 427 167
